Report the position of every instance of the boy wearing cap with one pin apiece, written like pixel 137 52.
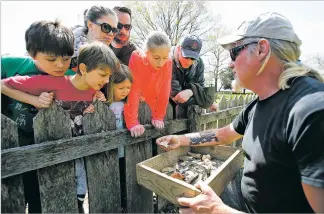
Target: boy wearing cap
pixel 188 74
pixel 282 129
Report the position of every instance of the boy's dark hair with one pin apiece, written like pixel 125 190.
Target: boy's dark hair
pixel 123 10
pixel 49 37
pixel 97 55
pixel 117 77
pixel 95 13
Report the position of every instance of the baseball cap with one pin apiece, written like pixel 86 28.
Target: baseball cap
pixel 191 46
pixel 269 25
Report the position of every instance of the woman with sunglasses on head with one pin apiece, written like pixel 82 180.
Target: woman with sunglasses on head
pixel 100 24
pixel 152 72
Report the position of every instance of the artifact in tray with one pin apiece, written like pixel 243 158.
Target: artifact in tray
pixel 193 168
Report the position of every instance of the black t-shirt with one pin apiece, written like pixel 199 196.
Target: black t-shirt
pixel 124 53
pixel 284 146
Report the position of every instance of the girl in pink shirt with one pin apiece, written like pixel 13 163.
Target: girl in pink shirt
pixel 152 72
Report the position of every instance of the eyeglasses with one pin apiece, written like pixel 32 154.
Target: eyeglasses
pixel 126 26
pixel 106 28
pixel 234 52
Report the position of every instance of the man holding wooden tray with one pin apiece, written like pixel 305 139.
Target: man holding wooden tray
pixel 282 129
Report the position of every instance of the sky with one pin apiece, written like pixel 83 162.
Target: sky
pixel 307 17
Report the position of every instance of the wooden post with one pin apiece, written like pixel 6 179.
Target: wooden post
pixel 222 106
pixel 12 188
pixel 139 199
pixel 102 169
pixel 56 183
pixel 144 114
pixel 194 121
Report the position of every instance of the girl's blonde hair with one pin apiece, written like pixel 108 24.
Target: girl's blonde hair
pixel 117 77
pixel 156 39
pixel 288 53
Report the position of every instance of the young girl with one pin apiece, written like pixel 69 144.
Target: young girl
pixel 152 72
pixel 117 91
pixel 96 63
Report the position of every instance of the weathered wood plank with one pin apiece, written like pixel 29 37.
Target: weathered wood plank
pixel 57 183
pixel 144 113
pixel 181 112
pixel 169 113
pixel 226 172
pixel 210 117
pixel 149 175
pixel 139 199
pixel 12 189
pixel 194 118
pixel 102 168
pixel 164 185
pixel 22 159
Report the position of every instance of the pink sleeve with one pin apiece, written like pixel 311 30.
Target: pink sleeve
pixel 164 94
pixel 34 85
pixel 131 107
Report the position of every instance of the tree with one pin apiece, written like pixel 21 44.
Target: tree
pixel 318 61
pixel 176 18
pixel 226 76
pixel 218 57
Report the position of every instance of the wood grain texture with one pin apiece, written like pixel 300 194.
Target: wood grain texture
pixel 139 199
pixel 102 168
pixel 56 183
pixel 144 114
pixel 22 159
pixel 149 175
pixel 12 189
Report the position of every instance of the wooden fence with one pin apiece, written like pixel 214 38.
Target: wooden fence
pixel 55 150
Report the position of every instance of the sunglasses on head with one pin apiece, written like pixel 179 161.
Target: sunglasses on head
pixel 234 52
pixel 106 28
pixel 126 26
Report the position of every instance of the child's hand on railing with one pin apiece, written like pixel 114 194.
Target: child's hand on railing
pixel 137 130
pixel 159 124
pixel 89 109
pixel 99 96
pixel 44 100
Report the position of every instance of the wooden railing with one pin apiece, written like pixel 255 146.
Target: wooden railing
pixel 55 150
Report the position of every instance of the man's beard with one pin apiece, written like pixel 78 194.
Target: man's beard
pixel 236 85
pixel 121 42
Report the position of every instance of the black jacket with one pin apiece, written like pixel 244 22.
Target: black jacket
pixel 124 53
pixel 185 79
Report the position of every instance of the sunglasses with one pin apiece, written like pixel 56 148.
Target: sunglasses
pixel 106 28
pixel 234 52
pixel 126 26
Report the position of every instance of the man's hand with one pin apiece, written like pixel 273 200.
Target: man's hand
pixel 99 96
pixel 206 202
pixel 89 109
pixel 159 124
pixel 183 96
pixel 168 142
pixel 214 107
pixel 44 100
pixel 137 130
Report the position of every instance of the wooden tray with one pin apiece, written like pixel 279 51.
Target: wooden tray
pixel 148 172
